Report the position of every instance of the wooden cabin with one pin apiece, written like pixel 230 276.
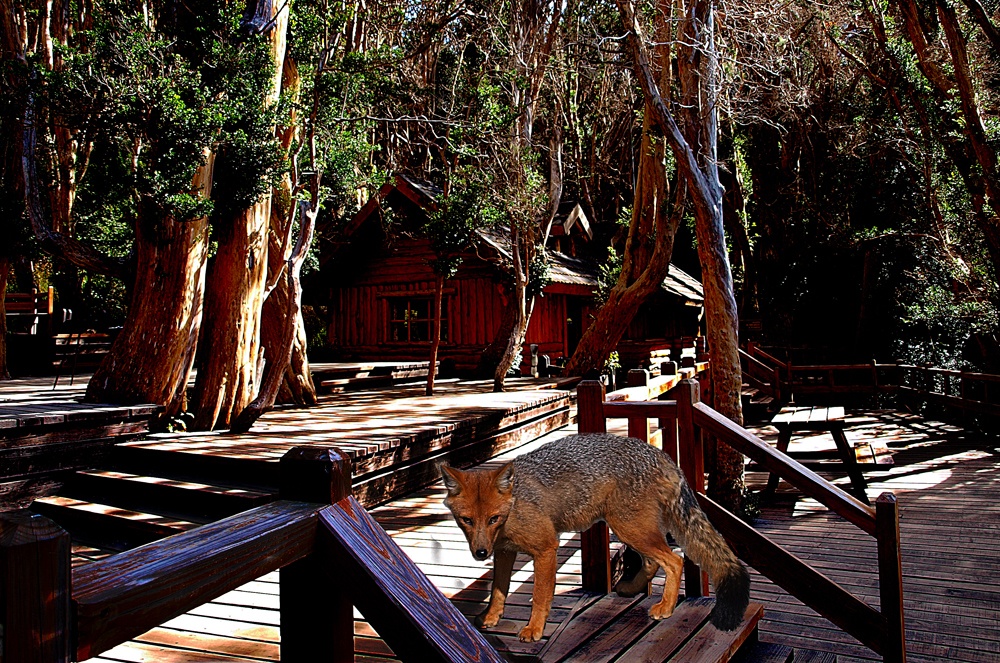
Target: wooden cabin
pixel 382 290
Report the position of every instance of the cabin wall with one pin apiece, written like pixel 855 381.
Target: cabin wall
pixel 359 328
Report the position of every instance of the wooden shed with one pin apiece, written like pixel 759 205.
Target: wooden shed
pixel 382 290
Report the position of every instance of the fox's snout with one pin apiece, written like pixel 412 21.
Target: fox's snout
pixel 481 553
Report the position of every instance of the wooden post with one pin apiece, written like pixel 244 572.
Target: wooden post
pixel 890 576
pixel 639 426
pixel 595 543
pixel 701 349
pixel 317 617
pixel 692 462
pixel 34 589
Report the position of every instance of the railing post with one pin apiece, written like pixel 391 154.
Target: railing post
pixel 692 463
pixel 34 589
pixel 317 618
pixel 639 426
pixel 890 575
pixel 595 543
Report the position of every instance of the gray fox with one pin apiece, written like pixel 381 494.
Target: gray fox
pixel 568 485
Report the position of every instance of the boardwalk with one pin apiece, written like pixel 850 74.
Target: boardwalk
pixel 948 483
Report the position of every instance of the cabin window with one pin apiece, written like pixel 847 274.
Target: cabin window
pixel 411 319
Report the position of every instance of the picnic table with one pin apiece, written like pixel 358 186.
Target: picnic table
pixel 795 419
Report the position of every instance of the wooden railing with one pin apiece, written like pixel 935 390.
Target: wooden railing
pixel 684 420
pixel 963 390
pixel 760 375
pixel 331 553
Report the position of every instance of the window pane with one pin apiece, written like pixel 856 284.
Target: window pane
pixel 397 309
pixel 420 309
pixel 420 331
pixel 397 331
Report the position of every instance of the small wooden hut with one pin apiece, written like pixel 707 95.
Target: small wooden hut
pixel 382 289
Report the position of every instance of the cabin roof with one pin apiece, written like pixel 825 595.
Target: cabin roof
pixel 563 269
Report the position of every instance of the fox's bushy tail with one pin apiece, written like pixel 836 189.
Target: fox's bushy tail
pixel 706 548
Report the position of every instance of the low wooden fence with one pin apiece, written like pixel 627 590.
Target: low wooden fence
pixel 964 391
pixel 331 553
pixel 685 419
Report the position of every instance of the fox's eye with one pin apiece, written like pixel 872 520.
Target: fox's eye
pixel 467 521
pixel 494 519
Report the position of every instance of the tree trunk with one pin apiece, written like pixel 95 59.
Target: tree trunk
pixel 230 345
pixel 151 358
pixel 436 341
pixel 497 348
pixel 297 386
pixel 520 312
pixel 275 372
pixel 230 337
pixel 695 152
pixel 645 262
pixel 4 273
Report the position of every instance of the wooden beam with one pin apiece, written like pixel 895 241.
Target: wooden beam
pixel 121 597
pixel 34 588
pixel 595 542
pixel 798 578
pixel 317 616
pixel 813 485
pixel 890 574
pixel 396 598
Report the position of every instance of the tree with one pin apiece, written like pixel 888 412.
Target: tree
pixel 694 150
pixel 230 356
pixel 650 240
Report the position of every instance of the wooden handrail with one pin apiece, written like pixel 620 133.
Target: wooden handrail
pixel 810 483
pixel 882 631
pixel 798 578
pixel 125 595
pixel 396 598
pixel 331 552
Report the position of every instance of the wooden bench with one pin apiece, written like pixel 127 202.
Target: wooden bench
pixel 29 307
pixel 81 351
pixel 825 419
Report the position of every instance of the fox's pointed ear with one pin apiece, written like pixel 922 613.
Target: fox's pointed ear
pixel 452 478
pixel 505 478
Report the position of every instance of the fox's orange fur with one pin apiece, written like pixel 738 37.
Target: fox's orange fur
pixel 568 485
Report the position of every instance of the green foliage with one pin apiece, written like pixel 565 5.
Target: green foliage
pixel 607 276
pixel 451 226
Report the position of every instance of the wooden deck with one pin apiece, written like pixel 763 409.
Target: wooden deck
pixel 948 483
pixel 45 430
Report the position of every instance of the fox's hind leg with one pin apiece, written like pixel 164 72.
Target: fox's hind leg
pixel 638 583
pixel 642 532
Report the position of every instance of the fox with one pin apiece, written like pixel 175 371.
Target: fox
pixel 568 485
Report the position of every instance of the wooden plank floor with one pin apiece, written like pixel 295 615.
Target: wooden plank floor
pixel 948 482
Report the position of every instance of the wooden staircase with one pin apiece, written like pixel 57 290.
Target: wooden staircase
pixel 117 510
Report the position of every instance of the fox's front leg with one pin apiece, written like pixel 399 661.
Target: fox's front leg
pixel 541 596
pixel 503 566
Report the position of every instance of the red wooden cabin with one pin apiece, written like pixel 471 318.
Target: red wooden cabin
pixel 382 290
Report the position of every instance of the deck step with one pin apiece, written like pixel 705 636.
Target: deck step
pixel 106 526
pixel 222 470
pixel 188 500
pixel 765 652
pixel 611 628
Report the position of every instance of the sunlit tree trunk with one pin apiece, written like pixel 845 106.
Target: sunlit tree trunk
pixel 695 151
pixel 228 377
pixel 151 358
pixel 650 241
